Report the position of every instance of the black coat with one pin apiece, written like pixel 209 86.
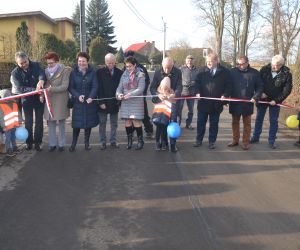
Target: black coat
pixel 107 86
pixel 245 85
pixel 84 115
pixel 279 87
pixel 213 86
pixel 176 85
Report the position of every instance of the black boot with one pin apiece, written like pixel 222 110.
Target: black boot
pixel 74 140
pixel 129 131
pixel 140 143
pixel 87 133
pixel 129 141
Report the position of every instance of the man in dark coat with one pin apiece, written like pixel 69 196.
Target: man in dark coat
pixel 108 82
pixel 213 81
pixel 26 77
pixel 277 80
pixel 148 126
pixel 189 73
pixel 247 85
pixel 168 69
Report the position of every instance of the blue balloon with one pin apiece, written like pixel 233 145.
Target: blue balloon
pixel 21 133
pixel 173 130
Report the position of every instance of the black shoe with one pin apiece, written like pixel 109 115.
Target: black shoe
pixel 297 144
pixel 37 147
pixel 72 148
pixel 157 146
pixel 52 148
pixel 61 149
pixel 197 144
pixel 87 147
pixel 189 127
pixel 114 145
pixel 272 145
pixel 16 150
pixel 164 146
pixel 254 140
pixel 28 146
pixel 211 145
pixel 174 149
pixel 10 152
pixel 103 146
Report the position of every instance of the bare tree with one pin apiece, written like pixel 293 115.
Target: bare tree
pixel 212 12
pixel 284 20
pixel 246 18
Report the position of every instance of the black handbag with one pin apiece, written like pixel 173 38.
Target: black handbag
pixel 70 103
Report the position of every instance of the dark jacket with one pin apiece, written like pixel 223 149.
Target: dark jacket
pixel 213 86
pixel 279 87
pixel 84 115
pixel 189 80
pixel 176 85
pixel 245 85
pixel 107 86
pixel 26 81
pixel 147 78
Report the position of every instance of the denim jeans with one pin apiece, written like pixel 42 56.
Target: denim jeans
pixel 273 118
pixel 10 139
pixel 213 126
pixel 37 135
pixel 190 105
pixel 60 140
pixel 113 127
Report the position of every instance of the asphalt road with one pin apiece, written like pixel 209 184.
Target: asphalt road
pixel 146 200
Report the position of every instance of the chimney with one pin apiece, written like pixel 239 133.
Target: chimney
pixel 152 46
pixel 145 41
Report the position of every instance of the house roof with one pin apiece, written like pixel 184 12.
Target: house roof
pixel 37 13
pixel 136 46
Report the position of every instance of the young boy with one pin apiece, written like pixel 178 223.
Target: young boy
pixel 9 121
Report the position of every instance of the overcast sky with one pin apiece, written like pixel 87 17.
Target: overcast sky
pixel 179 15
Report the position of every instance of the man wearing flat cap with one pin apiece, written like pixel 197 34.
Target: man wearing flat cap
pixel 189 72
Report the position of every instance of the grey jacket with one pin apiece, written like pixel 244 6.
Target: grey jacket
pixel 132 108
pixel 188 80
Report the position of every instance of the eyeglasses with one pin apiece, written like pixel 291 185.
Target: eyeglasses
pixel 241 64
pixel 51 63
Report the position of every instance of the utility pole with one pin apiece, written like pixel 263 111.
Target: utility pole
pixel 82 27
pixel 165 31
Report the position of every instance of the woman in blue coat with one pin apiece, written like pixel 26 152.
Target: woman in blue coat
pixel 83 88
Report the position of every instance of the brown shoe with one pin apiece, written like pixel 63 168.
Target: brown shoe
pixel 245 146
pixel 232 144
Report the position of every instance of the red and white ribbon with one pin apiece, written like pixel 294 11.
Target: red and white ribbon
pixel 208 98
pixel 36 92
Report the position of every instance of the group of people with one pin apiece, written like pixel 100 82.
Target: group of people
pixel 110 91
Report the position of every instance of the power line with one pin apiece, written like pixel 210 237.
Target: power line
pixel 139 16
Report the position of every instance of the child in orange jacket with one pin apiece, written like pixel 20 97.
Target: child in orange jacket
pixel 9 121
pixel 162 113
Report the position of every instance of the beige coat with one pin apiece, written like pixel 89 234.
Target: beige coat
pixel 58 93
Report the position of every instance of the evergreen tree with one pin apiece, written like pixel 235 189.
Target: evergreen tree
pixel 76 18
pixel 120 55
pixel 98 23
pixel 97 50
pixel 23 39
